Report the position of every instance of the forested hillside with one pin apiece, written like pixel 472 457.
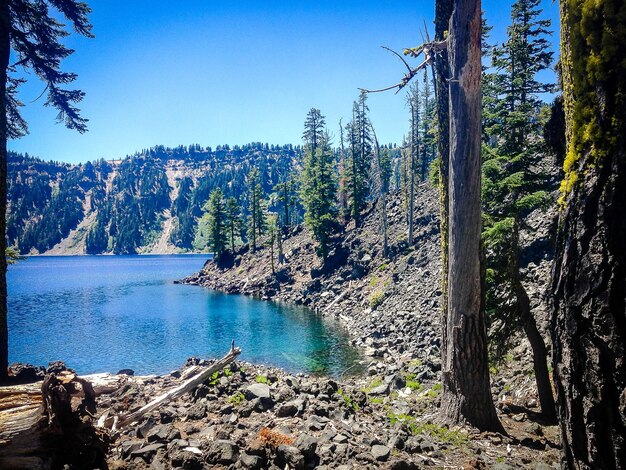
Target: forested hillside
pixel 148 202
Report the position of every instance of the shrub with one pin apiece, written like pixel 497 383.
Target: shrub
pixel 376 299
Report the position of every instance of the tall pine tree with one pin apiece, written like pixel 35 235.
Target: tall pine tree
pixel 515 182
pixel 318 184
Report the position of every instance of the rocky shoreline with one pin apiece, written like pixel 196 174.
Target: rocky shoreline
pixel 263 418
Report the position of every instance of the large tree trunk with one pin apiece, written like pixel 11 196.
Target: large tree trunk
pixel 537 343
pixel 443 11
pixel 466 387
pixel 4 63
pixel 589 287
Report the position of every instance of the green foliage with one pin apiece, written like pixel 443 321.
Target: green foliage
pixel 257 222
pixel 237 399
pixel 517 176
pixel 348 401
pixel 217 220
pixel 318 182
pixel 357 166
pixel 262 379
pixel 234 221
pixel 413 383
pixel 442 434
pixel 12 255
pixel 376 299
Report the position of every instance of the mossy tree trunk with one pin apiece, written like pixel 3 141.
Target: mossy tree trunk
pixel 465 371
pixel 589 287
pixel 5 48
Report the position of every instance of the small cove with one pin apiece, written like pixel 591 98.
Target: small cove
pixel 105 313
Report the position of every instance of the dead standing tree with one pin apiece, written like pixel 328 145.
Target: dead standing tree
pixel 465 373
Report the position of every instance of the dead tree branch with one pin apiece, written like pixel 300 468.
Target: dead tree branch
pixel 429 50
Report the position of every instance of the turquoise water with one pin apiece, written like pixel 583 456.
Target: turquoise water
pixel 107 313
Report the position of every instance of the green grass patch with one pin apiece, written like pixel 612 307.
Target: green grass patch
pixel 376 299
pixel 376 400
pixel 376 382
pixel 348 401
pixel 413 383
pixel 438 433
pixel 383 267
pixel 262 379
pixel 237 399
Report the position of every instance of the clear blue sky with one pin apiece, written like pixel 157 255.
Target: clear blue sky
pixel 208 72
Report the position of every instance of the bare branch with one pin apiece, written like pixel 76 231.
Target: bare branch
pixel 429 49
pixel 397 55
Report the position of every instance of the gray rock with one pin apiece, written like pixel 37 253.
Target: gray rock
pixel 222 452
pixel 253 462
pixel 307 445
pixel 380 452
pixel 257 391
pixel 291 456
pixel 197 411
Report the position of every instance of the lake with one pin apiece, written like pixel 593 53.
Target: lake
pixel 105 313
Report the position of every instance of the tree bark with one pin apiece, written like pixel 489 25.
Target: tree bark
pixel 466 387
pixel 443 11
pixel 589 279
pixel 5 47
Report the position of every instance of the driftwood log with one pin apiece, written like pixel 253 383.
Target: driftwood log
pixel 188 385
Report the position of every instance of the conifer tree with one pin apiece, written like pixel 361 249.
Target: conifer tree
pixel 256 208
pixel 217 223
pixel 515 184
pixel 234 221
pixel 318 184
pixel 359 155
pixel 33 33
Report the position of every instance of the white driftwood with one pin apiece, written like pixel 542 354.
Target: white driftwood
pixel 187 386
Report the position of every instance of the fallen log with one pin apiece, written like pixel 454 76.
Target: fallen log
pixel 187 386
pixel 48 425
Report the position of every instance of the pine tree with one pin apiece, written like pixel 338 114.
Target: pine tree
pixel 217 223
pixel 33 33
pixel 256 210
pixel 466 394
pixel 359 155
pixel 518 61
pixel 234 221
pixel 515 184
pixel 318 186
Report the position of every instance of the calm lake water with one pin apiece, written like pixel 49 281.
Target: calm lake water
pixel 112 312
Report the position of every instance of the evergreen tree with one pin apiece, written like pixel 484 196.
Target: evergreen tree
pixel 515 182
pixel 318 186
pixel 517 62
pixel 256 209
pixel 428 128
pixel 234 221
pixel 359 155
pixel 217 223
pixel 33 33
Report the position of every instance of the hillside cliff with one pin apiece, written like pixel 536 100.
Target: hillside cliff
pixel 149 202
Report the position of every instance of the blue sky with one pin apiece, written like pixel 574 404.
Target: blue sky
pixel 207 72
